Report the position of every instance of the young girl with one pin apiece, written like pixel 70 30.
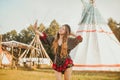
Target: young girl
pixel 61 45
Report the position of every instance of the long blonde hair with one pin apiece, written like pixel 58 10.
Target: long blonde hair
pixel 64 46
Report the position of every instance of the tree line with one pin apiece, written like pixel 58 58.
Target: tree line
pixel 26 35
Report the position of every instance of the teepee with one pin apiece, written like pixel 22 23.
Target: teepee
pixel 37 54
pixel 99 50
pixel 5 57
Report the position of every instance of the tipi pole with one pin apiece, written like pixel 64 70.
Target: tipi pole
pixel 1 50
pixel 12 57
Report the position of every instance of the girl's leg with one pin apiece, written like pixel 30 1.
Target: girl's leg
pixel 67 74
pixel 58 75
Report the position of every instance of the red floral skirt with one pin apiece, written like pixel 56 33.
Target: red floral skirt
pixel 67 64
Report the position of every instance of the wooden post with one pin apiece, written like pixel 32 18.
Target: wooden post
pixel 0 51
pixel 0 39
pixel 12 57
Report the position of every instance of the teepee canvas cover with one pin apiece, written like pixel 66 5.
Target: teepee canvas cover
pixel 5 57
pixel 99 50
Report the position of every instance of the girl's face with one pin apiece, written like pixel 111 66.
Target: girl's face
pixel 62 30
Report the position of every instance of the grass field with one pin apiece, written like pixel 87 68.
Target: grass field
pixel 48 74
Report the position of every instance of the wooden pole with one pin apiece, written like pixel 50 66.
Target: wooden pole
pixel 12 57
pixel 0 39
pixel 0 51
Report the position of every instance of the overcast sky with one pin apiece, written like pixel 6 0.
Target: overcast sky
pixel 18 14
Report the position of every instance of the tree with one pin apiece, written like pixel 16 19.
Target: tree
pixel 26 36
pixel 53 28
pixel 41 27
pixel 12 35
pixel 118 31
pixel 113 25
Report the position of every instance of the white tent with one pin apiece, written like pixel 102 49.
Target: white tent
pixel 5 57
pixel 99 50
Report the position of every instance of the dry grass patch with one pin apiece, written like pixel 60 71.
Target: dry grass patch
pixel 48 74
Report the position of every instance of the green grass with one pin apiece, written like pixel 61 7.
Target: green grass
pixel 48 74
